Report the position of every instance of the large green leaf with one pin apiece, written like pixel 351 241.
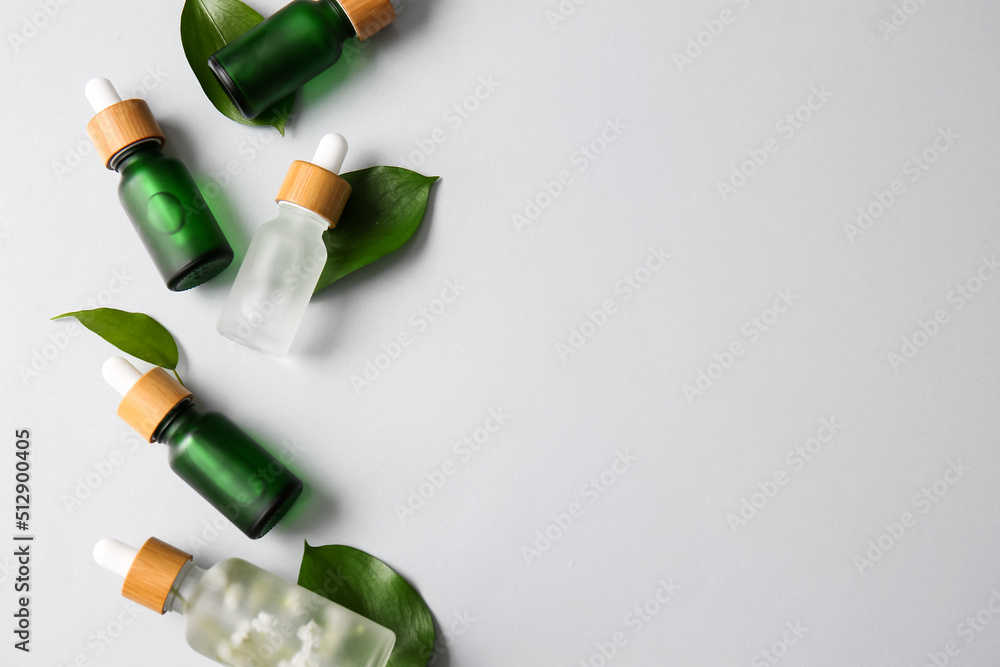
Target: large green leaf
pixel 207 26
pixel 137 334
pixel 384 210
pixel 366 585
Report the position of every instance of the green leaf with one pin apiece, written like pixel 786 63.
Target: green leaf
pixel 366 585
pixel 384 210
pixel 137 334
pixel 207 26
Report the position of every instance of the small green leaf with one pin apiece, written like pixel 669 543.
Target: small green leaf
pixel 384 210
pixel 366 585
pixel 207 26
pixel 137 334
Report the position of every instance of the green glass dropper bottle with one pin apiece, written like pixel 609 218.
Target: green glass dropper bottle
pixel 213 455
pixel 158 193
pixel 280 54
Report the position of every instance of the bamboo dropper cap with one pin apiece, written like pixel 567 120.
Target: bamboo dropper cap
pixel 315 185
pixel 149 572
pixel 146 399
pixel 368 16
pixel 118 124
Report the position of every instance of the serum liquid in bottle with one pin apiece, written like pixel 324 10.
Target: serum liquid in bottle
pixel 240 615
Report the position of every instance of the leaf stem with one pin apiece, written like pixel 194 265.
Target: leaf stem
pixel 174 371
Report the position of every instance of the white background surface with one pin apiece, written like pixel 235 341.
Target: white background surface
pixel 65 239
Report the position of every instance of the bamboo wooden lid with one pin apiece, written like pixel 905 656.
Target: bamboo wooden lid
pixel 153 573
pixel 149 400
pixel 121 125
pixel 315 188
pixel 368 16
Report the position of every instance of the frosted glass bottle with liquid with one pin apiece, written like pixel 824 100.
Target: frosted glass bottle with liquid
pixel 287 255
pixel 240 615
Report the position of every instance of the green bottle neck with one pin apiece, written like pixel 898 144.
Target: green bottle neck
pixel 137 153
pixel 177 419
pixel 349 30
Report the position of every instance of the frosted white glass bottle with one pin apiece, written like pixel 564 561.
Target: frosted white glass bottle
pixel 287 255
pixel 240 615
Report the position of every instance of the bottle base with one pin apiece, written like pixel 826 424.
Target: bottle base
pixel 276 511
pixel 229 87
pixel 252 340
pixel 201 270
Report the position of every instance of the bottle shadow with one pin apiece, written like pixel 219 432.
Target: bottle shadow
pixel 409 14
pixel 312 511
pixel 315 508
pixel 215 198
pixel 353 62
pixel 440 657
pixel 331 306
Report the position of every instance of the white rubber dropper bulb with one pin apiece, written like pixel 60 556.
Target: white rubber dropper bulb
pixel 120 374
pixel 331 152
pixel 114 556
pixel 101 94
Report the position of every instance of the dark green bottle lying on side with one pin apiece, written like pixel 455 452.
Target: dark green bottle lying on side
pixel 158 193
pixel 213 455
pixel 294 45
pixel 228 468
